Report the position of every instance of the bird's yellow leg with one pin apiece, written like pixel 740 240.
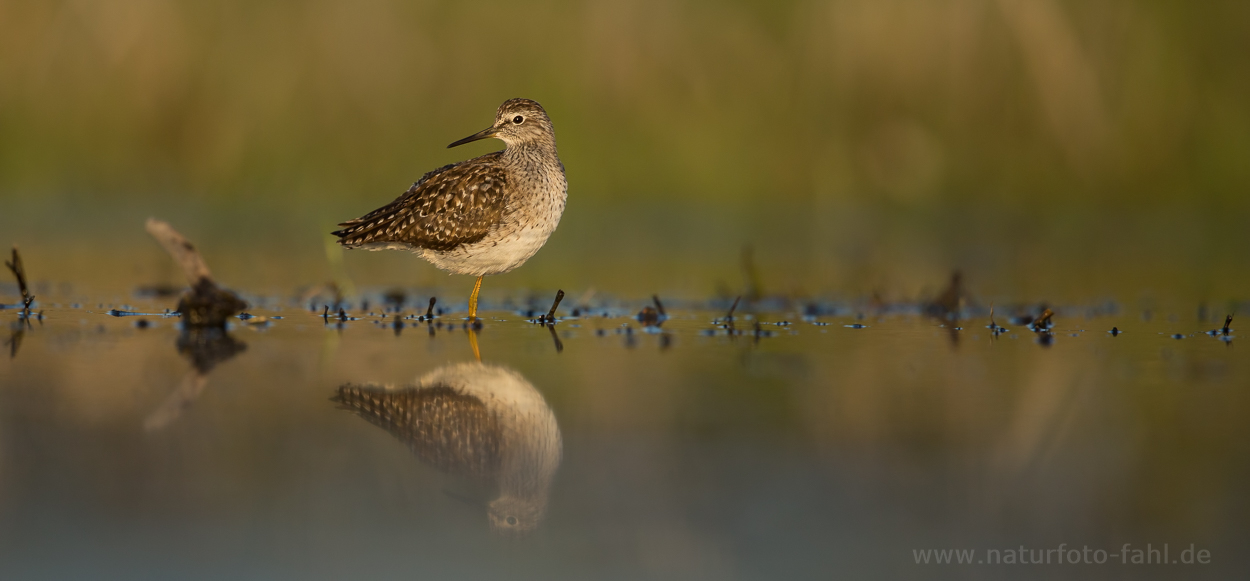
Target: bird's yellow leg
pixel 477 286
pixel 473 343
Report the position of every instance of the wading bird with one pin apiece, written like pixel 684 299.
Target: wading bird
pixel 486 215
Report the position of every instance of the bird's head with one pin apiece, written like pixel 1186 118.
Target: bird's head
pixel 517 122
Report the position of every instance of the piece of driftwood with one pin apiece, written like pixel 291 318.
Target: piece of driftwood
pixel 205 304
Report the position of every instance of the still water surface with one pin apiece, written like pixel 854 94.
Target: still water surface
pixel 600 449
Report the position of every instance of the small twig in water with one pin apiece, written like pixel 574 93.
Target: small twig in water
pixel 549 319
pixel 1042 322
pixel 551 315
pixel 429 312
pixel 1227 321
pixel 658 305
pixel 730 315
pixel 20 273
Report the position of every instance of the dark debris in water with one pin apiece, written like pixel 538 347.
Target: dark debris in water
pixel 653 316
pixel 1225 330
pixel 205 304
pixel 125 313
pixel 994 328
pixel 1042 322
pixel 550 317
pixel 19 272
pixel 341 317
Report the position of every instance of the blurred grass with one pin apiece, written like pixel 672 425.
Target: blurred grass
pixel 856 144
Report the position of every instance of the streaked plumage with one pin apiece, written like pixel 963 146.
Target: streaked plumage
pixel 452 205
pixel 482 421
pixel 487 215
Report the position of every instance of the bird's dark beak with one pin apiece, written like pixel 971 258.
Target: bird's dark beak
pixel 483 134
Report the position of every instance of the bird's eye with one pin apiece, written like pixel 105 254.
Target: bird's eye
pixel 518 119
pixel 512 519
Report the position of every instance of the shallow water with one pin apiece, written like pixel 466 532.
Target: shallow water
pixel 835 445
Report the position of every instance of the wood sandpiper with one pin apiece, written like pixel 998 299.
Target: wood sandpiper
pixel 486 215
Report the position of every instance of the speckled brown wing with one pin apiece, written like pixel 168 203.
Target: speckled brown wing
pixel 452 431
pixel 452 205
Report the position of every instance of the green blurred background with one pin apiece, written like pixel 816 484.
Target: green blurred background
pixel 1051 150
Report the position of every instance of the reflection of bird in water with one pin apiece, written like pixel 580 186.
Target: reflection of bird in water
pixel 481 421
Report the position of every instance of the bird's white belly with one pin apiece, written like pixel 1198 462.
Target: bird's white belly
pixel 500 251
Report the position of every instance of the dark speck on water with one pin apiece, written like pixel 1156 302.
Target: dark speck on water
pixel 122 313
pixel 856 326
